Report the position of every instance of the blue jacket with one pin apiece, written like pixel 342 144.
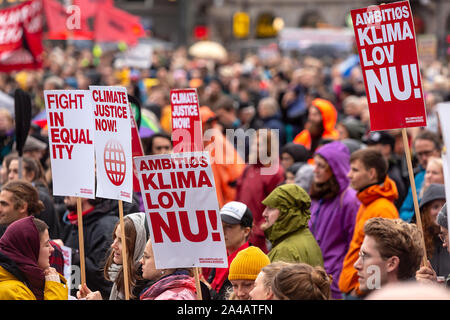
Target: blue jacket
pixel 407 208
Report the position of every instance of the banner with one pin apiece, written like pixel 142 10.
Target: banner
pixel 180 201
pixel 388 56
pixel 71 137
pixel 112 142
pixel 21 37
pixel 187 132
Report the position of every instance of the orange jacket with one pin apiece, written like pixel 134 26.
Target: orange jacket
pixel 329 118
pixel 376 201
pixel 226 164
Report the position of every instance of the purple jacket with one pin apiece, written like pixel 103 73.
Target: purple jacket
pixel 333 220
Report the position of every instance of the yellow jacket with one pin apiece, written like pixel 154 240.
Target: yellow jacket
pixel 13 289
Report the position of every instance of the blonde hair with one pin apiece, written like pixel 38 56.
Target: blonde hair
pixel 271 270
pixel 300 281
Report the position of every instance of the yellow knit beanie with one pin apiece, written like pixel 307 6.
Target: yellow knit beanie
pixel 247 264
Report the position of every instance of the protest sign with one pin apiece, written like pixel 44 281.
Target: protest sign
pixel 180 200
pixel 388 56
pixel 187 132
pixel 71 137
pixel 136 149
pixel 112 142
pixel 21 37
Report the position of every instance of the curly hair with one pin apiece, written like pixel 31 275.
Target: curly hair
pixel 23 193
pixel 300 281
pixel 395 237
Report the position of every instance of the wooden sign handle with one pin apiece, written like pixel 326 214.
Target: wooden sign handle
pixel 197 283
pixel 81 241
pixel 414 194
pixel 124 252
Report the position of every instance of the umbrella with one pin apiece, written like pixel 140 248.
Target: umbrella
pixel 208 50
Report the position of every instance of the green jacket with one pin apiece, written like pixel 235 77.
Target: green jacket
pixel 290 236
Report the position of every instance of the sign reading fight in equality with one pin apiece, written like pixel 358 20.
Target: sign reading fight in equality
pixel 180 200
pixel 112 142
pixel 71 136
pixel 388 55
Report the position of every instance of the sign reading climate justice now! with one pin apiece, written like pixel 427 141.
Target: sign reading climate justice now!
pixel 180 200
pixel 388 56
pixel 112 142
pixel 187 132
pixel 71 136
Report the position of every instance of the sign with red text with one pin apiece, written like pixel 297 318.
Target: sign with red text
pixel 180 200
pixel 71 137
pixel 388 55
pixel 187 132
pixel 112 125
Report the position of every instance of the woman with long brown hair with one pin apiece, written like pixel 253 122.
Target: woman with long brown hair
pixel 136 238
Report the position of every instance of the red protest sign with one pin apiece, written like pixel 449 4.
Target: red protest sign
pixel 136 149
pixel 186 124
pixel 388 55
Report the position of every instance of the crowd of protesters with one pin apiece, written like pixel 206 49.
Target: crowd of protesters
pixel 332 204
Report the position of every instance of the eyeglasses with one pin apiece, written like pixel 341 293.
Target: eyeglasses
pixel 426 153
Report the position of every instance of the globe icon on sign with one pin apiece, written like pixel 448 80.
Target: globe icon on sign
pixel 114 159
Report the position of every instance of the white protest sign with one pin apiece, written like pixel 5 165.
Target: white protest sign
pixel 180 200
pixel 112 142
pixel 71 137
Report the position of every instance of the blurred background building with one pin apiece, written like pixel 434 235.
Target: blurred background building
pixel 248 23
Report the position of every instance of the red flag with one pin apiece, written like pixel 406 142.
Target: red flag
pixel 90 8
pixel 21 40
pixel 65 23
pixel 113 25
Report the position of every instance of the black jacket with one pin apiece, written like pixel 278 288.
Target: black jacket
pixel 98 228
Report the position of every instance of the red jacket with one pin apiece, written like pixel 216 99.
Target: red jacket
pixel 252 188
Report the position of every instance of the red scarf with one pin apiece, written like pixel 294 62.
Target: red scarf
pixel 73 216
pixel 222 273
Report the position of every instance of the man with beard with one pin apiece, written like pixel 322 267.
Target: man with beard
pixel 322 117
